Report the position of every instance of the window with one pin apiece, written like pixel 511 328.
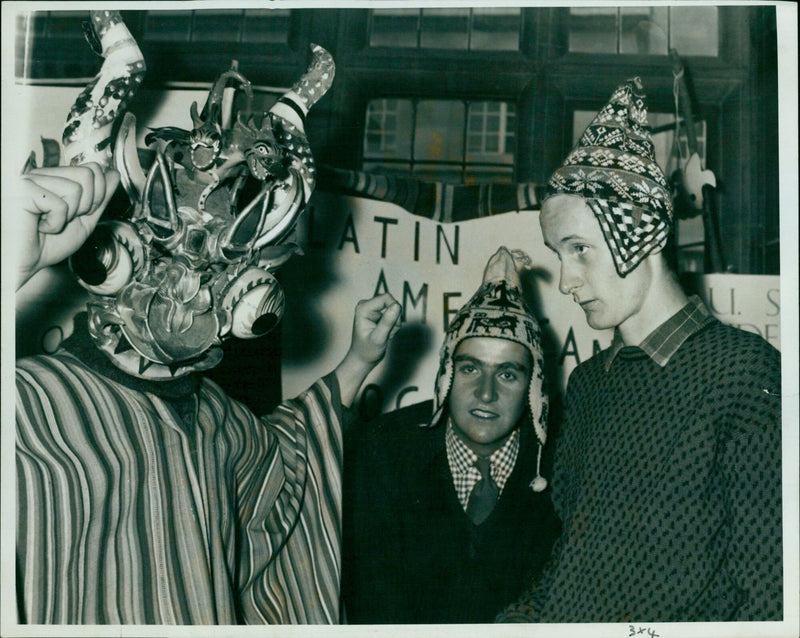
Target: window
pixel 62 33
pixel 653 30
pixel 53 24
pixel 485 29
pixel 450 140
pixel 226 25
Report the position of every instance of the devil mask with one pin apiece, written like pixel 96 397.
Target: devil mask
pixel 210 220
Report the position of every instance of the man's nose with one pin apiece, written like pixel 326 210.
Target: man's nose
pixel 568 278
pixel 486 390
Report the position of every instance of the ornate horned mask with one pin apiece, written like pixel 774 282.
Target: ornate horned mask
pixel 210 222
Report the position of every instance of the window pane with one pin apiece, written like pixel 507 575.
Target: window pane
pixel 440 149
pixel 593 30
pixel 444 28
pixel 388 129
pixel 266 25
pixel 695 30
pixel 168 25
pixel 217 26
pixel 31 25
pixel 668 156
pixel 490 132
pixel 439 133
pixel 644 30
pixel 67 24
pixel 495 29
pixel 394 28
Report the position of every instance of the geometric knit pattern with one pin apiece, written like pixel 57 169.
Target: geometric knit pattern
pixel 126 515
pixel 497 309
pixel 614 164
pixel 668 483
pixel 630 232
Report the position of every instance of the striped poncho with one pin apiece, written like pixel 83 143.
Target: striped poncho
pixel 127 515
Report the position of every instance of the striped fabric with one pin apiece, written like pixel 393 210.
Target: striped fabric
pixel 439 201
pixel 125 515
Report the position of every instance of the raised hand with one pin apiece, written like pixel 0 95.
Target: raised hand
pixel 55 210
pixel 373 326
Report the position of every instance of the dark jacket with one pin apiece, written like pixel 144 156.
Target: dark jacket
pixel 411 555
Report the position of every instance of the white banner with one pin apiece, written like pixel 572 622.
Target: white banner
pixel 358 247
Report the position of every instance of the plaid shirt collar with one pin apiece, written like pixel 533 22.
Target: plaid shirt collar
pixel 462 463
pixel 665 340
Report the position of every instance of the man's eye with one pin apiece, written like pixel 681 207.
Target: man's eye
pixel 508 376
pixel 466 368
pixel 581 248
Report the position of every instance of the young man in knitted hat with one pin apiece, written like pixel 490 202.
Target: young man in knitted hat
pixel 667 473
pixel 446 513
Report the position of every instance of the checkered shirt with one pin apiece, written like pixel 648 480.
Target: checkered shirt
pixel 462 463
pixel 665 340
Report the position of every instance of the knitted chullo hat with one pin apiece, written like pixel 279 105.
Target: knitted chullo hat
pixel 613 167
pixel 498 310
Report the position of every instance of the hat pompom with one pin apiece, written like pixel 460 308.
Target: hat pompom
pixel 539 484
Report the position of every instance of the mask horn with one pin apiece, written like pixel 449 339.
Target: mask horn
pixel 126 159
pixel 87 134
pixel 294 105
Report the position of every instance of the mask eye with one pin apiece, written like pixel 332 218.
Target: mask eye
pixel 109 259
pixel 255 301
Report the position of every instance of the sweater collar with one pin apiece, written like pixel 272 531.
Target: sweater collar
pixel 665 340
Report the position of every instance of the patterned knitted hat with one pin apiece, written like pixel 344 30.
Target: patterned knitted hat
pixel 613 167
pixel 498 310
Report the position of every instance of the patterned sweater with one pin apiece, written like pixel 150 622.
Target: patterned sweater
pixel 668 483
pixel 129 513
